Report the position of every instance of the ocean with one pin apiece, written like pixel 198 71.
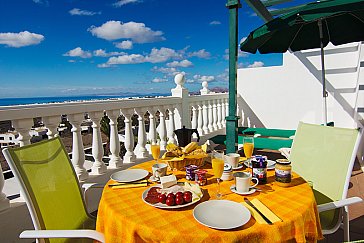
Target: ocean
pixel 42 100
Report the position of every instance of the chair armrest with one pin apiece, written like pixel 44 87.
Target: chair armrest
pixel 41 234
pixel 338 204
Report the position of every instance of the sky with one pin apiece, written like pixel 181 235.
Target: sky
pixel 88 47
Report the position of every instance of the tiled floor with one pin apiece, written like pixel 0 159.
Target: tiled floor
pixel 356 212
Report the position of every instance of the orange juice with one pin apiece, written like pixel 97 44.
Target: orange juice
pixel 217 167
pixel 156 150
pixel 248 149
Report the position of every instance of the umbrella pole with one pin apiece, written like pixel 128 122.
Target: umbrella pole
pixel 324 92
pixel 232 119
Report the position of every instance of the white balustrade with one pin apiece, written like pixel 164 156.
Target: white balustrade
pixel 152 128
pixel 162 130
pixel 223 113
pixel 171 126
pixel 78 153
pixel 214 114
pixel 205 118
pixel 22 126
pixel 98 167
pixel 51 122
pixel 200 120
pixel 129 138
pixel 141 151
pixel 219 114
pixel 115 160
pixel 210 116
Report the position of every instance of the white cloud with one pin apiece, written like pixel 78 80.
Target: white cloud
pixel 103 53
pixel 78 52
pixel 43 2
pixel 256 64
pixel 124 2
pixel 159 80
pixel 215 22
pixel 104 65
pixel 77 11
pixel 240 54
pixel 126 45
pixel 162 55
pixel 201 54
pixel 24 38
pixel 138 32
pixel 169 71
pixel 202 78
pixel 183 63
pixel 126 59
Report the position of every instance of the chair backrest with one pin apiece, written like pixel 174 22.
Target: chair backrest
pixel 49 185
pixel 325 156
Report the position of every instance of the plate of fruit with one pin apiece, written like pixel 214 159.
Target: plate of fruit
pixel 177 196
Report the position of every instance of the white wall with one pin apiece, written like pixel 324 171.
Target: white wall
pixel 280 97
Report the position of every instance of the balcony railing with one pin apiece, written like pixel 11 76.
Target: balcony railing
pixel 205 112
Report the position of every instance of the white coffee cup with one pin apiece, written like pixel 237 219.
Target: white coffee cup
pixel 243 180
pixel 159 170
pixel 232 159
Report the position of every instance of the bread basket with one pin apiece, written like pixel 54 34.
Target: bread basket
pixel 181 163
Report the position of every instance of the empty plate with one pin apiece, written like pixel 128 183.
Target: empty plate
pixel 221 214
pixel 129 175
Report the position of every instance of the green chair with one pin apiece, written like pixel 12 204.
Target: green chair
pixel 325 156
pixel 52 193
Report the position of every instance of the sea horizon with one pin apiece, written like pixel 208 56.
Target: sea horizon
pixel 61 99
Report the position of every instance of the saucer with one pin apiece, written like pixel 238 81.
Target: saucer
pixel 251 191
pixel 239 166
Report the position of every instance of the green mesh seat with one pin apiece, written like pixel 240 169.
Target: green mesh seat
pixel 325 156
pixel 52 192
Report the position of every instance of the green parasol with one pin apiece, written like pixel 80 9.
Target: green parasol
pixel 311 26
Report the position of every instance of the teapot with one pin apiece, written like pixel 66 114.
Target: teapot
pixel 184 136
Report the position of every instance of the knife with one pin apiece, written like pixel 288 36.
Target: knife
pixel 260 213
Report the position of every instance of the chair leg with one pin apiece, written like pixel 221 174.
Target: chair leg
pixel 346 224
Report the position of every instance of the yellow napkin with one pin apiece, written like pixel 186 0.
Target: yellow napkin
pixel 130 185
pixel 262 208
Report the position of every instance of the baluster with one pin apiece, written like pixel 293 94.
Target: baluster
pixel 194 120
pixel 78 153
pixel 200 121
pixel 98 167
pixel 51 123
pixel 115 160
pixel 223 113
pixel 214 114
pixel 205 118
pixel 4 202
pixel 226 110
pixel 129 139
pixel 23 127
pixel 171 127
pixel 141 152
pixel 209 107
pixel 219 114
pixel 152 128
pixel 162 130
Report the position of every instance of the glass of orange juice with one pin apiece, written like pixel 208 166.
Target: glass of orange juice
pixel 217 160
pixel 248 146
pixel 156 151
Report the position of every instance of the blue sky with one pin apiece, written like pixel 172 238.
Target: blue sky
pixel 78 47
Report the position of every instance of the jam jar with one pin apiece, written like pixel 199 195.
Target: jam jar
pixel 190 172
pixel 283 173
pixel 200 177
pixel 259 168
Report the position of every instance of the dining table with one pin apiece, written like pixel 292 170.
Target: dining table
pixel 123 216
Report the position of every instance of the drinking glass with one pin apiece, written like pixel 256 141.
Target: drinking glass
pixel 248 146
pixel 217 160
pixel 156 151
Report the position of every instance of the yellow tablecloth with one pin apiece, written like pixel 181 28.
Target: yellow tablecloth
pixel 124 217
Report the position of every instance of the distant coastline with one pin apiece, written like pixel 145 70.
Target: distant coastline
pixel 60 99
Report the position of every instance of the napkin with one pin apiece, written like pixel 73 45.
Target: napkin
pixel 262 208
pixel 142 183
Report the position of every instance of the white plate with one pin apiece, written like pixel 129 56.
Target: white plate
pixel 239 167
pixel 129 175
pixel 164 206
pixel 221 214
pixel 270 164
pixel 251 191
